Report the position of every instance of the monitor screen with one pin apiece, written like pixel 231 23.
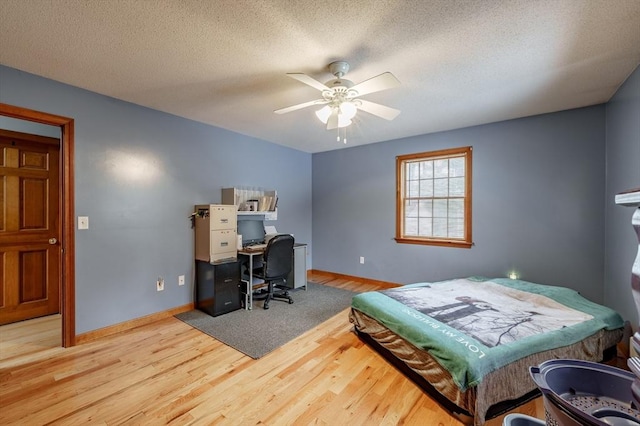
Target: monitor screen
pixel 252 231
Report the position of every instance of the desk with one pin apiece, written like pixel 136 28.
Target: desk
pixel 297 278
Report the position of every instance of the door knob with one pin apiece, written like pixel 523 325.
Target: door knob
pixel 52 240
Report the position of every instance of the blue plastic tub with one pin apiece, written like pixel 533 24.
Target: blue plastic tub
pixel 522 420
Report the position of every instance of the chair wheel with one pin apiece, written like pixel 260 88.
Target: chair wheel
pixel 290 301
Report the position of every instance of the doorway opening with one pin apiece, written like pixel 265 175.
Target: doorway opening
pixel 67 264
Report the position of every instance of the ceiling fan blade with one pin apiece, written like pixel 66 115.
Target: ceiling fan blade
pixel 378 83
pixel 332 122
pixel 300 106
pixel 380 110
pixel 303 78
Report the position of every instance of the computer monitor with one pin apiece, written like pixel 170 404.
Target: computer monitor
pixel 252 231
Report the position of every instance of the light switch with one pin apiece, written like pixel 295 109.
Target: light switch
pixel 83 222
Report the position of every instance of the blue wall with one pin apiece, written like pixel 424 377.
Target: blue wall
pixel 138 174
pixel 623 173
pixel 538 190
pixel 539 186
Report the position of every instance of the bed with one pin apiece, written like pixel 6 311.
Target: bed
pixel 469 342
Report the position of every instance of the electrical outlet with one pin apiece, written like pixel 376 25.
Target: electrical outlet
pixel 362 260
pixel 160 284
pixel 181 280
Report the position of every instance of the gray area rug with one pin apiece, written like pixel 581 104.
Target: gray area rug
pixel 258 332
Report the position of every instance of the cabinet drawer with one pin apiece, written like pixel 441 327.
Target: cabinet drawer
pixel 222 241
pixel 227 272
pixel 222 217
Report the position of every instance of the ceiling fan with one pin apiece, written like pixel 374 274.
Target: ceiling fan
pixel 341 97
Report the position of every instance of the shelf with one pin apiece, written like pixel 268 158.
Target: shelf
pixel 238 197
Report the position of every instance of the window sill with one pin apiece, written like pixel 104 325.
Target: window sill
pixel 434 242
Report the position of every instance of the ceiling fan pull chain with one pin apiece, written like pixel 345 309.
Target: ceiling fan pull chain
pixel 344 138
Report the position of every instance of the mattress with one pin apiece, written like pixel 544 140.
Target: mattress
pixel 506 381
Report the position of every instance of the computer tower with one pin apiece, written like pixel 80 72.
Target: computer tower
pixel 298 276
pixel 218 287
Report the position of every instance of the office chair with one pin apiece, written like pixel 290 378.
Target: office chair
pixel 276 266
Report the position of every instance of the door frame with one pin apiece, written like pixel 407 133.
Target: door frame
pixel 67 269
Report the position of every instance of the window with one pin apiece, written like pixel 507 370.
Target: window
pixel 433 198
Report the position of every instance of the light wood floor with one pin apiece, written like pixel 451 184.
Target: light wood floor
pixel 170 373
pixel 27 341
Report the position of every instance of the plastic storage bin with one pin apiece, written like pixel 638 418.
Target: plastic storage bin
pixel 521 420
pixel 579 393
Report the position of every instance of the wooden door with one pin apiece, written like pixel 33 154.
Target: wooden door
pixel 29 226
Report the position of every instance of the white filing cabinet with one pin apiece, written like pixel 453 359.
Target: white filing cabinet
pixel 216 230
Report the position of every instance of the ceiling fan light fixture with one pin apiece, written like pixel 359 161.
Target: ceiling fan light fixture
pixel 345 112
pixel 348 110
pixel 324 113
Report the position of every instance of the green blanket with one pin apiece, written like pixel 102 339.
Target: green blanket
pixel 476 325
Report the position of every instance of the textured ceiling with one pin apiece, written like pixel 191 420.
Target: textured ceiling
pixel 461 63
